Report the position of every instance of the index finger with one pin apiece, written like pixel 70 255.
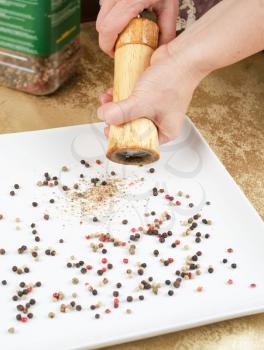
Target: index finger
pixel 116 20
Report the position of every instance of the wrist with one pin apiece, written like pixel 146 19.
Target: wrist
pixel 191 56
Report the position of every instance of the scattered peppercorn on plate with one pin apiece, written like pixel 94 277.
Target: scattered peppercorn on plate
pixel 94 253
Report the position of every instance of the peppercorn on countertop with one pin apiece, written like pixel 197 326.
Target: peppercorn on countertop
pixel 228 108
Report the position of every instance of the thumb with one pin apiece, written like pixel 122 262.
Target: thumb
pixel 123 111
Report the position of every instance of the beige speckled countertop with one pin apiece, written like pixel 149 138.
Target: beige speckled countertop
pixel 228 108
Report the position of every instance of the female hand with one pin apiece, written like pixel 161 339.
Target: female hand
pixel 116 14
pixel 162 94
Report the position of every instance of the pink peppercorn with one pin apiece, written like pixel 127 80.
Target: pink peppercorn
pixel 253 285
pixel 133 230
pixel 125 260
pixel 170 260
pixel 177 242
pixel 230 281
pixel 89 267
pixel 104 261
pixel 107 311
pixel 229 250
pixel 199 289
pixel 178 203
pixel 24 319
pixel 104 269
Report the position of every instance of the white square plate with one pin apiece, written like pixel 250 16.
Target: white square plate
pixel 187 164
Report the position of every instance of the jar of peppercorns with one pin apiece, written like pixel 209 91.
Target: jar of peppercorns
pixel 39 44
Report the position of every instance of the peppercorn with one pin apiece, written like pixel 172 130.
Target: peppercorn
pixel 4 282
pixel 46 217
pixel 97 316
pixel 94 292
pixel 170 292
pixel 2 251
pixel 109 266
pixel 11 330
pixel 124 222
pixel 104 251
pixel 95 219
pixel 34 204
pixel 78 307
pixel 12 193
pixel 30 315
pixel 118 285
pixel 83 270
pixel 141 297
pixel 224 261
pixel 191 205
pixel 38 284
pixel 37 239
pixel 167 282
pixel 206 235
pixel 26 270
pixel 234 266
pixel 210 270
pixel 197 239
pixel 140 272
pixel 151 170
pixel 52 201
pixel 129 299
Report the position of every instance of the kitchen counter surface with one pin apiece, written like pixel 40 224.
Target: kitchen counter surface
pixel 227 107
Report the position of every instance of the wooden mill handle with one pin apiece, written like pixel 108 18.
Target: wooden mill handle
pixel 135 142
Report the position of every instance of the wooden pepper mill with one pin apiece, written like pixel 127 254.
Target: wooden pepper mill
pixel 135 142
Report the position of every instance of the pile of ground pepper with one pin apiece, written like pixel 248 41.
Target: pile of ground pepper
pixel 99 193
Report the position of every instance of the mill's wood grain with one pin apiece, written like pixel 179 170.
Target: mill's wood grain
pixel 133 52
